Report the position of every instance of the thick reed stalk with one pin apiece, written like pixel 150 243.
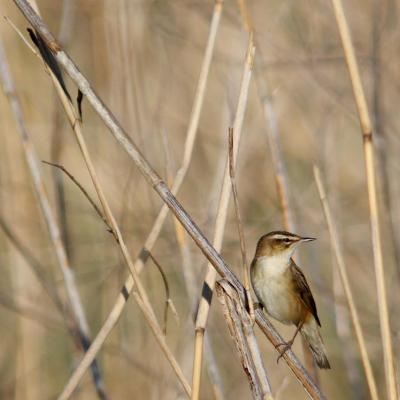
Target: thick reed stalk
pixel 346 286
pixel 241 329
pixel 366 129
pixel 222 212
pixel 163 191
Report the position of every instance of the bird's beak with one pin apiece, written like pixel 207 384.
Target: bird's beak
pixel 307 239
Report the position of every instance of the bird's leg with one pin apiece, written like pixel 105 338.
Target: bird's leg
pixel 288 344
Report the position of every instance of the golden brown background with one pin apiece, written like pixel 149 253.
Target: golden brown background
pixel 144 58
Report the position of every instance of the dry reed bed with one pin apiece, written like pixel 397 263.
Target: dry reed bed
pixel 230 291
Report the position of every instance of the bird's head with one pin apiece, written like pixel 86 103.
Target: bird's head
pixel 279 243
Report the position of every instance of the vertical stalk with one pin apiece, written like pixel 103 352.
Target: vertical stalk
pixel 240 326
pixel 246 272
pixel 211 274
pixel 366 129
pixel 280 175
pixel 346 286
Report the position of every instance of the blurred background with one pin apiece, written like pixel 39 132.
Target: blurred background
pixel 144 59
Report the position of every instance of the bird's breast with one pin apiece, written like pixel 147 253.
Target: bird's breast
pixel 275 291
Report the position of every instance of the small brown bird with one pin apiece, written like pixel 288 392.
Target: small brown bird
pixel 282 290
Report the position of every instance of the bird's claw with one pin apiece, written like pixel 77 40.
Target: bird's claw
pixel 287 346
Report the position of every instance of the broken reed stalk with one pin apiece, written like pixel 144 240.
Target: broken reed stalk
pixel 346 285
pixel 168 301
pixel 366 130
pixel 222 212
pixel 246 272
pixel 241 329
pixel 50 220
pixel 165 194
pixel 120 303
pixel 83 190
pixel 280 175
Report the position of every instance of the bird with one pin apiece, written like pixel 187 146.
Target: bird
pixel 283 291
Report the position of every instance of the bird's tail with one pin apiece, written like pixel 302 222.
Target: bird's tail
pixel 310 332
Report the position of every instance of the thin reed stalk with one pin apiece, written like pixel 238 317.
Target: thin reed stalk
pixel 366 130
pixel 162 342
pixel 57 140
pixel 191 289
pixel 273 133
pixel 163 191
pixel 147 311
pixel 280 175
pixel 168 301
pixel 50 220
pixel 156 329
pixel 156 229
pixel 346 286
pixel 144 304
pixel 246 272
pixel 222 212
pixel 111 223
pixel 36 267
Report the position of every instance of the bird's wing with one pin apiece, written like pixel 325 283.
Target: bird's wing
pixel 303 290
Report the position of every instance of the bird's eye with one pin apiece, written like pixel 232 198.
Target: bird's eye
pixel 286 240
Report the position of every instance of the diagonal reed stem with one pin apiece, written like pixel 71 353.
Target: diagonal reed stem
pixel 144 304
pixel 150 241
pixel 163 191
